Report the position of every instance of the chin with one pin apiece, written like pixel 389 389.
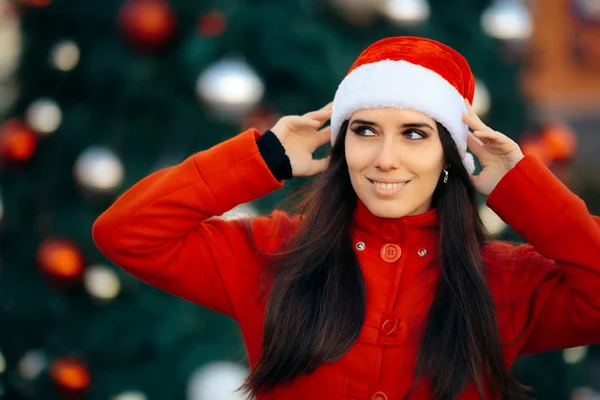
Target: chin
pixel 385 209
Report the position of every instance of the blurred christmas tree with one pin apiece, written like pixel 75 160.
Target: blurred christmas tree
pixel 107 92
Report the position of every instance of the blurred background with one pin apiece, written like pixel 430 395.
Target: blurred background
pixel 96 94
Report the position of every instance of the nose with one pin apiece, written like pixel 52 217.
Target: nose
pixel 387 156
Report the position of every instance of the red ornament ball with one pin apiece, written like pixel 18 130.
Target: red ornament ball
pixel 534 146
pixel 212 24
pixel 60 260
pixel 147 23
pixel 559 140
pixel 71 376
pixel 17 141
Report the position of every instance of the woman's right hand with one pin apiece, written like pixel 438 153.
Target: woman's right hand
pixel 300 136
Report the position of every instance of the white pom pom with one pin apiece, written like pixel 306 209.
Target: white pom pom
pixel 469 162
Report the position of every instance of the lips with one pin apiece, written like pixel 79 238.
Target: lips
pixel 387 189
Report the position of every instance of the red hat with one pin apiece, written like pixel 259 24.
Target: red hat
pixel 410 73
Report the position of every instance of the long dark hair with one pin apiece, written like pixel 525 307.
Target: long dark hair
pixel 316 304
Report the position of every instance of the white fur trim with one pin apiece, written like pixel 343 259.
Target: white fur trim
pixel 404 85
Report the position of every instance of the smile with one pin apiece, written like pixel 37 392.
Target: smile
pixel 388 188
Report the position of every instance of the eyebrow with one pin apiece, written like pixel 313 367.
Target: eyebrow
pixel 409 125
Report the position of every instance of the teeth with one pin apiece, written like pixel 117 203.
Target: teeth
pixel 388 186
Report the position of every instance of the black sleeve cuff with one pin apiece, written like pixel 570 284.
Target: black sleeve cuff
pixel 274 155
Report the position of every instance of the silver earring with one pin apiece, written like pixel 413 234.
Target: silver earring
pixel 446 176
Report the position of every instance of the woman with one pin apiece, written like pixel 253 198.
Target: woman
pixel 385 284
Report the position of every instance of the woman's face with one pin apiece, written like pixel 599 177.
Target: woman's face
pixel 395 159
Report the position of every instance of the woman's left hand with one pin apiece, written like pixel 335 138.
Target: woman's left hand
pixel 496 152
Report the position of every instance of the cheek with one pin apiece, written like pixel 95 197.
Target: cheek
pixel 357 158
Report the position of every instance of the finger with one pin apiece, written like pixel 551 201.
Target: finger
pixel 318 166
pixel 474 123
pixel 474 137
pixel 475 145
pixel 472 119
pixel 324 135
pixel 323 114
pixel 301 122
pixel 488 135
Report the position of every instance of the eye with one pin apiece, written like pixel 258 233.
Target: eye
pixel 363 131
pixel 416 134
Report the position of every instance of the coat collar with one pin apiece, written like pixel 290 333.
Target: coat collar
pixel 391 229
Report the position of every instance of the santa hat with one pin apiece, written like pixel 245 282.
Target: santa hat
pixel 410 73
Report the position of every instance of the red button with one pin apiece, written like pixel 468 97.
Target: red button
pixel 389 232
pixel 389 326
pixel 379 396
pixel 390 252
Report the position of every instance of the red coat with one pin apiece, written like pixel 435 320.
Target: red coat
pixel 161 231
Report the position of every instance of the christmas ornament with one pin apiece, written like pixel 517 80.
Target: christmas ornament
pixel 574 355
pixel 212 24
pixel 405 12
pixel 559 141
pixel 10 39
pixel 217 380
pixel 532 145
pixel 70 375
pixel 481 98
pixel 60 260
pixel 507 20
pixel 230 88
pixel 101 282
pixel 130 395
pixel 356 12
pixel 149 24
pixel 2 363
pixel 64 56
pixel 99 170
pixel 32 364
pixel 17 141
pixel 44 116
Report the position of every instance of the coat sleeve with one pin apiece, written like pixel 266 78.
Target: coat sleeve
pixel 554 283
pixel 161 230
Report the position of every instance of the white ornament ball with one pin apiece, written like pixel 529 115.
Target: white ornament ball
pixel 98 169
pixel 230 88
pixel 10 39
pixel 482 100
pixel 32 364
pixel 130 395
pixel 44 115
pixel 507 20
pixel 102 282
pixel 64 56
pixel 2 363
pixel 217 381
pixel 405 12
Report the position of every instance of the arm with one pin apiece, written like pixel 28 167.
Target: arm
pixel 160 229
pixel 554 281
